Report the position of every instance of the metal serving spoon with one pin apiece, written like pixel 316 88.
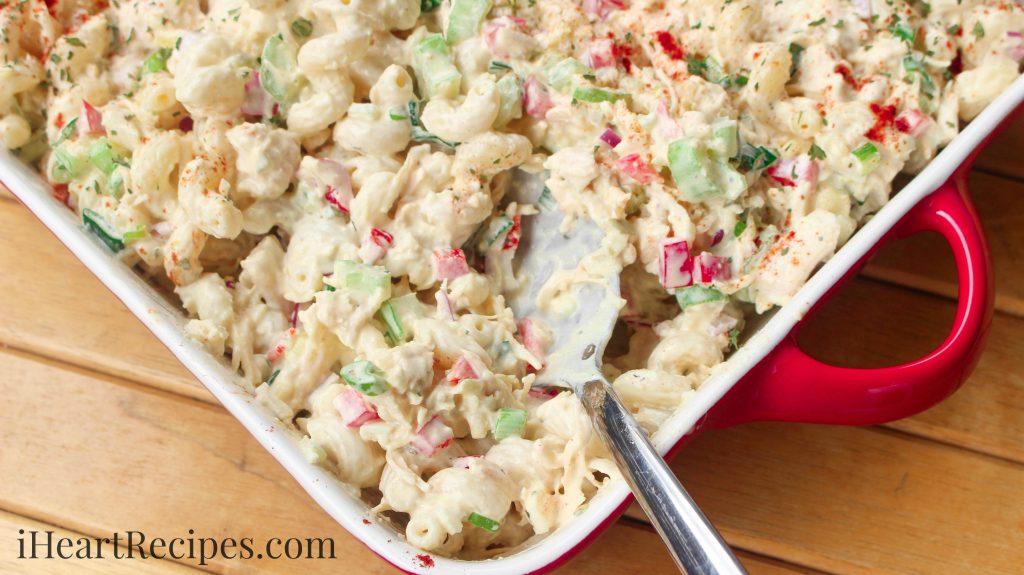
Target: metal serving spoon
pixel 578 343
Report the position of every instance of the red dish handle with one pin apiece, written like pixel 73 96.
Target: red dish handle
pixel 789 385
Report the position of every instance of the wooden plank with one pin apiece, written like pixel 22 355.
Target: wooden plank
pixel 16 557
pixel 161 464
pixel 1003 155
pixel 55 307
pixel 924 261
pixel 882 325
pixel 857 500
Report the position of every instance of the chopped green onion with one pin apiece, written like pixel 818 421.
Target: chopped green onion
pixel 979 30
pixel 595 95
pixel 302 28
pixel 66 166
pixel 329 287
pixel 398 114
pixel 465 18
pixel 796 52
pixel 421 135
pixel 498 228
pixel 734 338
pixel 136 234
pixel 546 201
pixel 903 31
pixel 915 65
pixel 868 156
pixel 816 152
pixel 754 158
pixel 429 5
pixel 95 223
pixel 74 41
pixel 741 226
pixel 510 422
pixel 273 377
pixel 561 75
pixel 391 319
pixel 66 131
pixel 436 74
pixel 483 522
pixel 498 67
pixel 697 294
pixel 364 377
pixel 101 154
pixel 156 62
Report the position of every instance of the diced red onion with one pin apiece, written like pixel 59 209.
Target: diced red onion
pixel 536 99
pixel 255 103
pixel 432 437
pixel 186 124
pixel 666 124
pixel 708 268
pixel 637 168
pixel 514 234
pixel 601 53
pixel 675 268
pixel 460 371
pixel 294 320
pixel 610 137
pixel 277 350
pixel 602 8
pixel 912 122
pixel 376 245
pixel 1017 49
pixel 91 122
pixel 717 238
pixel 465 461
pixel 494 27
pixel 543 393
pixel 337 184
pixel 530 340
pixel 795 171
pixel 354 409
pixel 449 264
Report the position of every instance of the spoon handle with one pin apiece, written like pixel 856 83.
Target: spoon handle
pixel 695 545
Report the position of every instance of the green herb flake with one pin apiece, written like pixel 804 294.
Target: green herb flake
pixel 817 22
pixel 74 41
pixel 302 28
pixel 817 153
pixel 978 30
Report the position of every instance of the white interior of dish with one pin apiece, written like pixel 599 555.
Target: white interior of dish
pixel 167 323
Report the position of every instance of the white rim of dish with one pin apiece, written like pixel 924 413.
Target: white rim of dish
pixel 167 322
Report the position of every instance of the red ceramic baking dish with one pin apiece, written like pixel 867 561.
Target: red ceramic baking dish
pixel 768 379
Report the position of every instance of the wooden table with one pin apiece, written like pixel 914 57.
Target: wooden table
pixel 101 431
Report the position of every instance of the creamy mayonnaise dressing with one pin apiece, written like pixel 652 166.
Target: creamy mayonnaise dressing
pixel 322 184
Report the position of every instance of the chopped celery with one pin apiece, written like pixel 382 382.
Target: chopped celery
pixel 364 377
pixel 278 64
pixel 464 19
pixel 483 522
pixel 510 422
pixel 398 114
pixel 699 176
pixel 754 158
pixel 95 223
pixel 361 277
pixel 697 294
pixel 101 154
pixel 725 140
pixel 561 75
pixel 392 321
pixel 156 62
pixel 595 95
pixel 511 93
pixel 66 166
pixel 436 74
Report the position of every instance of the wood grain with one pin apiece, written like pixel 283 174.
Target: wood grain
pixel 11 525
pixel 1003 154
pixel 162 464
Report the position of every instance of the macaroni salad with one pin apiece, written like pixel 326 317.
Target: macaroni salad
pixel 322 184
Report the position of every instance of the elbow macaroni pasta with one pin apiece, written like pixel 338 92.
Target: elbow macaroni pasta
pixel 345 240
